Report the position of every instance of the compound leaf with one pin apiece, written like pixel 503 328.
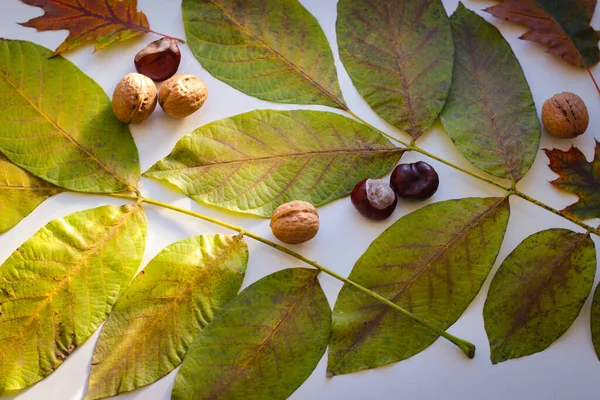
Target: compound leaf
pixel 564 26
pixel 254 162
pixel 578 176
pixel 538 292
pixel 490 114
pixel 264 344
pixel 58 124
pixel 271 49
pixel 155 321
pixel 20 193
pixel 431 262
pixel 99 21
pixel 399 57
pixel 60 285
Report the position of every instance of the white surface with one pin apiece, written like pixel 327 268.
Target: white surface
pixel 569 369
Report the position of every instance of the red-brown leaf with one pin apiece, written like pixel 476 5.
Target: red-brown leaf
pixel 564 26
pixel 578 176
pixel 99 21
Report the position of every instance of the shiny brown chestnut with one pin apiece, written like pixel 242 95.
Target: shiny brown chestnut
pixel 417 181
pixel 374 199
pixel 159 60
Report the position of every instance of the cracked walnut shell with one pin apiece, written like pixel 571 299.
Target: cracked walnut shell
pixel 182 95
pixel 295 222
pixel 134 98
pixel 565 115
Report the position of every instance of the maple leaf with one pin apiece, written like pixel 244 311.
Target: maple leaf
pixel 99 21
pixel 564 26
pixel 578 176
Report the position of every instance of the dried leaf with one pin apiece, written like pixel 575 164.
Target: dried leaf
pixel 563 26
pixel 265 343
pixel 167 305
pixel 60 285
pixel 399 57
pixel 538 292
pixel 58 124
pixel 271 49
pixel 490 114
pixel 578 176
pixel 254 162
pixel 100 21
pixel 20 193
pixel 431 262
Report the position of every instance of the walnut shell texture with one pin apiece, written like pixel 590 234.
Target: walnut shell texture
pixel 295 222
pixel 565 115
pixel 182 95
pixel 134 98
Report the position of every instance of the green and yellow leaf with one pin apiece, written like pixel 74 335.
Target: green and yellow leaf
pixel 254 162
pixel 490 114
pixel 155 321
pixel 538 292
pixel 432 263
pixel 265 343
pixel 271 49
pixel 20 193
pixel 60 285
pixel 58 124
pixel 595 321
pixel 399 56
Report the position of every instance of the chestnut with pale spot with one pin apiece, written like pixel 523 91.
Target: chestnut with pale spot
pixel 374 199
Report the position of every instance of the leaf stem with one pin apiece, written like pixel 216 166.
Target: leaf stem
pixel 511 190
pixel 467 347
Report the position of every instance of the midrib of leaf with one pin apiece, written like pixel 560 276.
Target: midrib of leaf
pixel 527 307
pixel 115 21
pixel 367 329
pixel 175 300
pixel 285 156
pixel 67 278
pixel 281 56
pixel 498 137
pixel 111 172
pixel 215 393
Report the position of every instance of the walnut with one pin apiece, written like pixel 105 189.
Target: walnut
pixel 134 98
pixel 182 95
pixel 295 222
pixel 565 115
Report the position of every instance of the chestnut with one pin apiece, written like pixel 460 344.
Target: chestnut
pixel 417 181
pixel 374 199
pixel 159 60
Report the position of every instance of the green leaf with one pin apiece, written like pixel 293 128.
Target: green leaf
pixel 58 124
pixel 490 114
pixel 60 285
pixel 271 49
pixel 431 262
pixel 254 162
pixel 538 292
pixel 155 321
pixel 595 321
pixel 399 57
pixel 264 344
pixel 20 193
pixel 580 177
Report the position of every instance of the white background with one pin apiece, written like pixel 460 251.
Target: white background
pixel 569 369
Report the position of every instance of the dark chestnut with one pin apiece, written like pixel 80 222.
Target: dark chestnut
pixel 417 181
pixel 159 60
pixel 374 199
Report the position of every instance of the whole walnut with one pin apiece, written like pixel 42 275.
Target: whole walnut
pixel 134 98
pixel 182 95
pixel 295 222
pixel 565 115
